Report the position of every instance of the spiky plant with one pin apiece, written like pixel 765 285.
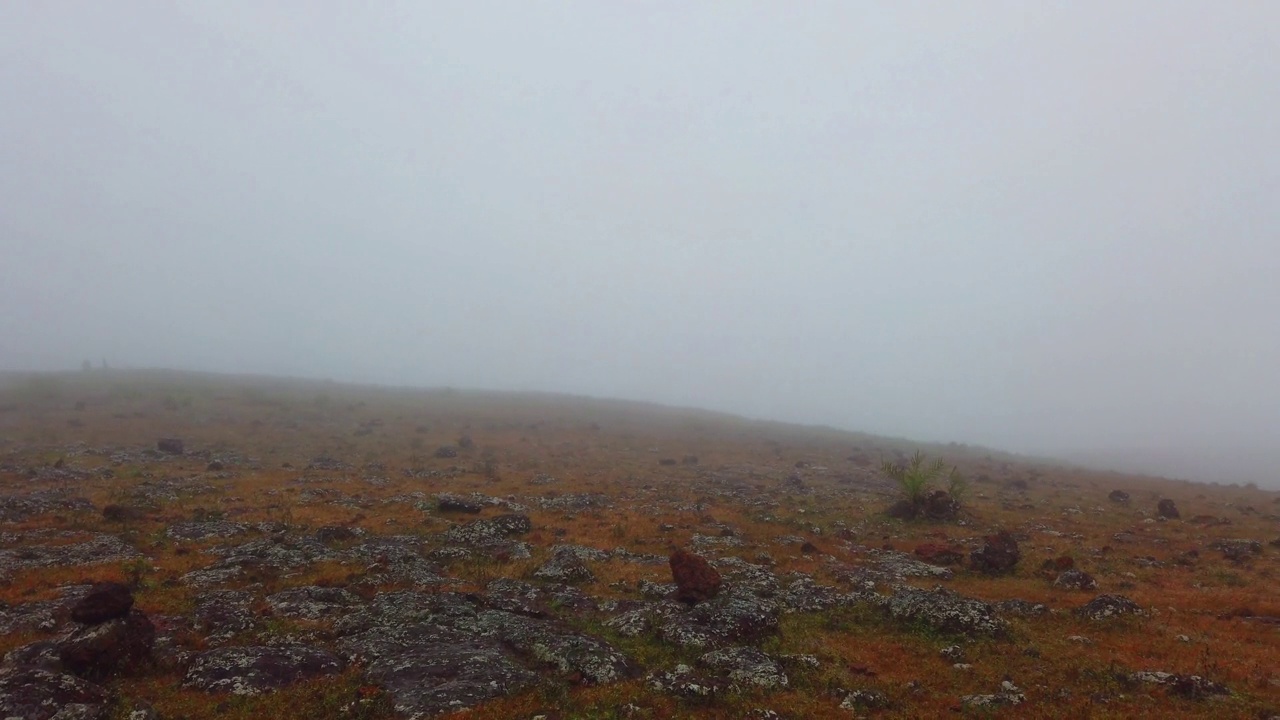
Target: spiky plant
pixel 957 486
pixel 916 478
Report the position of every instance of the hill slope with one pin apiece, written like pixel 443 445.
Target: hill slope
pixel 324 550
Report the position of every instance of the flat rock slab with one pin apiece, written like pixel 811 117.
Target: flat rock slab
pixel 441 652
pixel 312 602
pixel 211 529
pixel 223 613
pixel 259 669
pixel 98 549
pixel 36 694
pixel 945 611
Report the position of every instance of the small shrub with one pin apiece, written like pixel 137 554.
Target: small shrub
pixel 916 481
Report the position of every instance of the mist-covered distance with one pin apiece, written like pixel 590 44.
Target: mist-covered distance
pixel 1048 228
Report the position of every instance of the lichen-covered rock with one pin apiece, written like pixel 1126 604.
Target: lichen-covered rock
pixel 205 530
pixel 100 548
pixel 805 595
pixel 729 618
pixel 891 565
pixel 945 611
pixel 1194 687
pixel 450 503
pixel 223 613
pixel 1237 549
pixel 438 652
pixel 746 667
pixel 489 529
pixel 1009 694
pixel 15 508
pixel 37 694
pixel 255 670
pixel 684 682
pixel 119 645
pixel 1075 580
pixel 41 654
pixel 565 566
pixel 1021 608
pixel 277 553
pixel 593 660
pixel 45 616
pixel 864 699
pixel 311 602
pixel 1107 606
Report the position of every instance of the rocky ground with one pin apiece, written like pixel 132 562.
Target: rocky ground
pixel 184 546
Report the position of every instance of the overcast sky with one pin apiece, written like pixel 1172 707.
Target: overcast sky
pixel 1042 226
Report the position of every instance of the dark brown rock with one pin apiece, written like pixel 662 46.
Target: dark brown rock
pixel 170 446
pixel 104 601
pixel 122 513
pixel 1166 509
pixel 696 580
pixel 997 556
pixel 1118 496
pixel 939 505
pixel 902 510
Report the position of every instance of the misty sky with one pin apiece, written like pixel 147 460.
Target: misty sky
pixel 1035 225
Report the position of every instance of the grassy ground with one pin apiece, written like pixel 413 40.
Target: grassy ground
pixel 269 431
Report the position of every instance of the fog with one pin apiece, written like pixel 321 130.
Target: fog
pixel 1044 227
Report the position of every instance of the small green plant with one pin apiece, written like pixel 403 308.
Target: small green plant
pixel 136 572
pixel 957 486
pixel 917 480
